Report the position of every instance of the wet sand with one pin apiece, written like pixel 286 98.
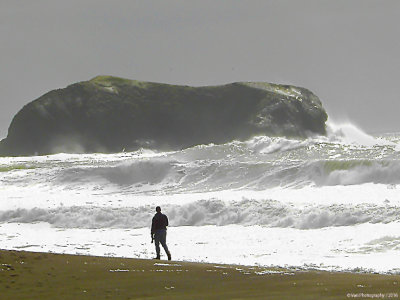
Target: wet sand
pixel 28 275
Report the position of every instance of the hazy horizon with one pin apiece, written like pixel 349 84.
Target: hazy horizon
pixel 345 52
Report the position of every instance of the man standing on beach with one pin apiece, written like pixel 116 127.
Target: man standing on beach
pixel 159 232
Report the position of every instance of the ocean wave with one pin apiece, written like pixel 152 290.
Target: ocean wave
pixel 352 172
pixel 210 212
pixel 349 133
pixel 259 163
pixel 206 175
pixel 126 173
pixel 167 175
pixel 269 145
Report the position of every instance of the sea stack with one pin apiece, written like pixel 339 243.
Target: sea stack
pixel 109 114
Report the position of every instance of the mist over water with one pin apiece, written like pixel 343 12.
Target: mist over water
pixel 343 180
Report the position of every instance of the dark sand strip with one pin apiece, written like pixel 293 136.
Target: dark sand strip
pixel 27 275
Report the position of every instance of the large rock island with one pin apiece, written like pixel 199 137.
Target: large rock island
pixel 109 114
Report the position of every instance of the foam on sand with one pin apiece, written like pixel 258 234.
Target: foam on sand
pixel 368 247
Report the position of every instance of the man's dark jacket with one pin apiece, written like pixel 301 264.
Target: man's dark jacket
pixel 160 221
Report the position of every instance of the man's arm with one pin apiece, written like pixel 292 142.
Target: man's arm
pixel 152 228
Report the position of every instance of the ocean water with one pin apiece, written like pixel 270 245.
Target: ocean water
pixel 327 202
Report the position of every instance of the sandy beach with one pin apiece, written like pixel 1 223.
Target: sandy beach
pixel 30 275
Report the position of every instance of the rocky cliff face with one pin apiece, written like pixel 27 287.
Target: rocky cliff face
pixel 109 114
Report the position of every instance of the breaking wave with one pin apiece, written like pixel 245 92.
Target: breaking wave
pixel 211 212
pixel 166 175
pixel 354 172
pixel 347 156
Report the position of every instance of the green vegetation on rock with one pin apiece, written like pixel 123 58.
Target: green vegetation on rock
pixel 108 114
pixel 111 81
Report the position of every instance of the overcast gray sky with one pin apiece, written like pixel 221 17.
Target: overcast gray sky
pixel 346 51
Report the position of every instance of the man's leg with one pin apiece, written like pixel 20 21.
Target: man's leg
pixel 163 240
pixel 157 243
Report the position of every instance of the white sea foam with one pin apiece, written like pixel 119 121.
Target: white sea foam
pixel 351 134
pixel 268 145
pixel 367 247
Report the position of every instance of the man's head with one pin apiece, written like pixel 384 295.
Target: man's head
pixel 158 209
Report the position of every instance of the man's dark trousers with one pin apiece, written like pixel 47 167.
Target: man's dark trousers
pixel 160 236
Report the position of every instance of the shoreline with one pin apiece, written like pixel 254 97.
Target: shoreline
pixel 24 275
